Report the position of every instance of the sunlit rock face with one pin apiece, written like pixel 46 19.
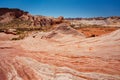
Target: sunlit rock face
pixel 7 15
pixel 62 54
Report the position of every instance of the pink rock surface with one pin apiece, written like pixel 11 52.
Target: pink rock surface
pixel 6 37
pixel 68 57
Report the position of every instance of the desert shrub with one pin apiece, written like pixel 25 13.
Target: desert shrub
pixel 21 35
pixel 19 32
pixel 93 35
pixel 15 39
pixel 72 25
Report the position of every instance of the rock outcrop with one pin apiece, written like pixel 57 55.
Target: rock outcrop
pixel 61 31
pixel 8 15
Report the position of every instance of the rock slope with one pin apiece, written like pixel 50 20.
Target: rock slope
pixel 68 57
pixel 10 14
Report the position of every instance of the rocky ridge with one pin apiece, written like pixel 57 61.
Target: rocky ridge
pixel 8 15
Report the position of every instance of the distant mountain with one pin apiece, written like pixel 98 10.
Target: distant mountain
pixel 113 21
pixel 94 18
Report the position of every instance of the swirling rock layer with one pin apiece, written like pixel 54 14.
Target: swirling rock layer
pixel 69 57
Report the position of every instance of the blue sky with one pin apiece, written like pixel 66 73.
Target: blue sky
pixel 66 8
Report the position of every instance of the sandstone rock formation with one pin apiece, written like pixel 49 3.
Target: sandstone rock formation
pixel 7 37
pixel 69 57
pixel 8 15
pixel 103 21
pixel 62 30
pixel 60 54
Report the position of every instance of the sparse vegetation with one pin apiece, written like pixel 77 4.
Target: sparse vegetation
pixel 21 35
pixel 22 28
pixel 93 35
